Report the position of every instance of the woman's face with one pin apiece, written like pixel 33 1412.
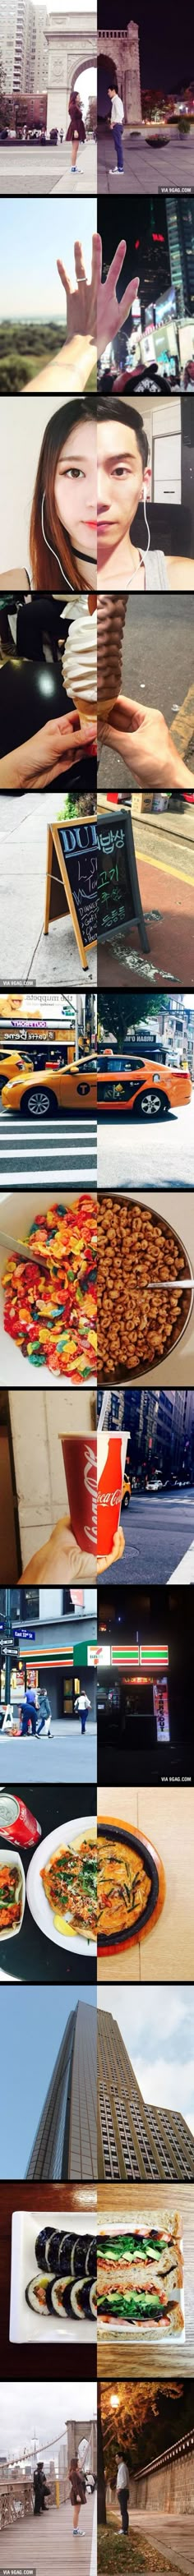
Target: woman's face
pixel 119 480
pixel 75 487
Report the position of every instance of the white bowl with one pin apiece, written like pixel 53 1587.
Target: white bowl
pixel 7 1852
pixel 38 1901
pixel 17 1212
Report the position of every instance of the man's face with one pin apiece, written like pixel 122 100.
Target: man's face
pixel 119 482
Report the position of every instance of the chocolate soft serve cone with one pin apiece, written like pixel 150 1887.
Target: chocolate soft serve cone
pixel 111 615
pixel 79 664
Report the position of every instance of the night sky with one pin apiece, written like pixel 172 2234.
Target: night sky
pixel 166 45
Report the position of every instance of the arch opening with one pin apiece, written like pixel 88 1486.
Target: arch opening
pixel 107 79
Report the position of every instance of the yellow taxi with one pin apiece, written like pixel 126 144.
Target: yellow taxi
pixel 144 1090
pixel 58 1087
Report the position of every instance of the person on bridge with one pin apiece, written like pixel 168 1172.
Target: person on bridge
pixel 41 2491
pixel 78 2494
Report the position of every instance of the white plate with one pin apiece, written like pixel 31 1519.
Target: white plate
pixel 39 1907
pixel 8 1853
pixel 24 2326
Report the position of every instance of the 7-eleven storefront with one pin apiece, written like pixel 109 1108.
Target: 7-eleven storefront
pixel 57 1671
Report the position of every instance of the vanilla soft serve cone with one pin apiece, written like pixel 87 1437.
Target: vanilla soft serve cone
pixel 79 663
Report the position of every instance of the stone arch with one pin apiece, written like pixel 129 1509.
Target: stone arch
pixel 83 66
pixel 121 45
pixel 109 60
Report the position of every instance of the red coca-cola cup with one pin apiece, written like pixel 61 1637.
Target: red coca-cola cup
pixel 80 1462
pixel 111 1455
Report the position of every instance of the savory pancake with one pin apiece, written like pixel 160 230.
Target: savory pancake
pixel 123 1886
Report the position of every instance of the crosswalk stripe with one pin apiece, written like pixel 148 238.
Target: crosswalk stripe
pixel 56 1153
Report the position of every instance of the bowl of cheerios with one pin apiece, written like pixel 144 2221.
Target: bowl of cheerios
pixel 140 1315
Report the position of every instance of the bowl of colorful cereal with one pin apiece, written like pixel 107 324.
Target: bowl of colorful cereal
pixel 141 1316
pixel 48 1288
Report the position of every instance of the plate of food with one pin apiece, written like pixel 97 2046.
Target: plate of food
pixel 140 1316
pixel 131 1886
pixel 140 2277
pixel 53 2277
pixel 12 1893
pixel 61 1886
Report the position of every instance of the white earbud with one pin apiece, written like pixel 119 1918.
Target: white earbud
pixel 145 517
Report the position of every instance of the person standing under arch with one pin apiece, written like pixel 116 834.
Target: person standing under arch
pixel 76 132
pixel 117 120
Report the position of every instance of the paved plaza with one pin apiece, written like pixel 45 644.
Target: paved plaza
pixel 149 163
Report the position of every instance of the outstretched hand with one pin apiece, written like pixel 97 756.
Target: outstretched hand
pixel 82 298
pixel 110 314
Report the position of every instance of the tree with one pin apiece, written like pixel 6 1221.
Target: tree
pixel 122 1016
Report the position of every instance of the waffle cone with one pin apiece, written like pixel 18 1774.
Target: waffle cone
pixel 85 707
pixel 105 710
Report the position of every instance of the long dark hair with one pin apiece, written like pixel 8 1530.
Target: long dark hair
pixel 46 571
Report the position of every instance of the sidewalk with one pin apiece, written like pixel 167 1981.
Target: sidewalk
pixel 47 2543
pixel 86 173
pixel 165 865
pixel 184 1573
pixel 149 163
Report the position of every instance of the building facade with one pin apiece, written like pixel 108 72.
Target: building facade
pixel 23 47
pixel 65 2146
pixel 135 2142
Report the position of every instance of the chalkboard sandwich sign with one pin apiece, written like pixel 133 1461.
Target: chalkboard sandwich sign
pixel 92 874
pixel 71 879
pixel 118 897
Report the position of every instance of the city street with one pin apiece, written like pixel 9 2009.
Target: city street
pixel 157 669
pixel 65 1755
pixel 148 165
pixel 158 1528
pixel 147 1151
pixel 38 170
pixel 54 1150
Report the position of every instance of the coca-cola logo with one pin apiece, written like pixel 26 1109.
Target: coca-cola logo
pixel 112 1498
pixel 90 1471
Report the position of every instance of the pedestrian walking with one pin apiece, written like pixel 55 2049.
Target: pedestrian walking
pixel 82 1703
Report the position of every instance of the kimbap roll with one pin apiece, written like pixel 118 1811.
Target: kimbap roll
pixel 61 2291
pixel 41 2246
pixel 38 2294
pixel 79 2253
pixel 91 2258
pixel 58 2253
pixel 80 2302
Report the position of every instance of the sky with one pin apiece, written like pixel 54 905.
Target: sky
pixel 30 286
pixel 158 2031
pixel 165 40
pixel 32 2025
pixel 27 2412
